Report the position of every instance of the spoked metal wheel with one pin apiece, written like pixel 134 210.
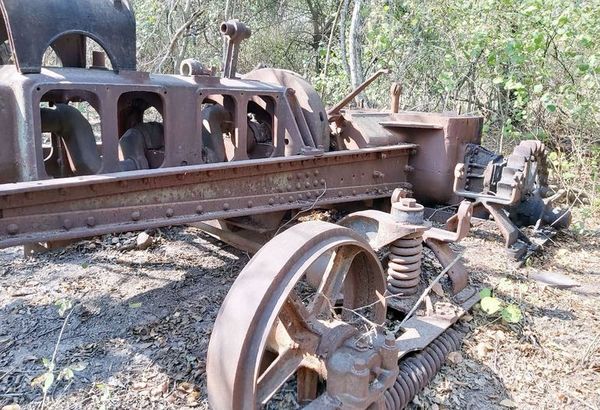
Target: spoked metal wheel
pixel 302 297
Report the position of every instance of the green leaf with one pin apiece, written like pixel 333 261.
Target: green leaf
pixel 491 305
pixel 135 305
pixel 485 293
pixel 48 378
pixel 66 374
pixel 45 381
pixel 551 107
pixel 583 67
pixel 63 305
pixel 512 314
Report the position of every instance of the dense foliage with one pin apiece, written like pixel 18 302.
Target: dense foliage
pixel 531 67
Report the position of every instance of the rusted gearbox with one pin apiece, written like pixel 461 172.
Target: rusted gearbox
pixel 513 190
pixel 314 317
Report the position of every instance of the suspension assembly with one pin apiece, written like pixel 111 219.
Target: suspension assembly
pixel 404 264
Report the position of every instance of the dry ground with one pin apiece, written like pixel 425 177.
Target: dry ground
pixel 141 321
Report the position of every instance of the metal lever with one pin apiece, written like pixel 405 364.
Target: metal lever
pixel 235 32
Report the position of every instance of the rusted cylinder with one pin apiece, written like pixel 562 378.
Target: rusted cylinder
pixel 190 67
pixel 404 264
pixel 235 30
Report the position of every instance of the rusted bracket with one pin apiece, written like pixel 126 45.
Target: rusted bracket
pixel 420 331
pixel 379 228
pixel 461 188
pixel 438 240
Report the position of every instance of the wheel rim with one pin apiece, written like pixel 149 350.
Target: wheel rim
pixel 273 324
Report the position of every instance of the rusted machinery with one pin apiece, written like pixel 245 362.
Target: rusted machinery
pixel 314 310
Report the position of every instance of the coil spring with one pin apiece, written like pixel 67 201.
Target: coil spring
pixel 417 371
pixel 404 265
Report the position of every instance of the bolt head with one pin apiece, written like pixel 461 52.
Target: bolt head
pixel 409 202
pixel 67 224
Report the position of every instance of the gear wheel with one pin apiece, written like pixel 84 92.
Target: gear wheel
pixel 527 168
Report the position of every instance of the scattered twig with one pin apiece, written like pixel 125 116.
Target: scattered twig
pixel 7 373
pixel 53 360
pixel 588 352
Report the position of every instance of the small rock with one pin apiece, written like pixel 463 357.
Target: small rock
pixel 156 392
pixel 11 407
pixel 437 288
pixel 143 241
pixel 508 404
pixel 455 357
pixel 115 241
pixel 139 385
pixel 562 398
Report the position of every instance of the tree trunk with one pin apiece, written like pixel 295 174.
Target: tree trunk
pixel 316 15
pixel 343 45
pixel 356 69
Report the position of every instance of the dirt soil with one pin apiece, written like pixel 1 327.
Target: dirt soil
pixel 140 323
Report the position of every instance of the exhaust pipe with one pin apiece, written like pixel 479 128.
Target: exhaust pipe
pixel 77 134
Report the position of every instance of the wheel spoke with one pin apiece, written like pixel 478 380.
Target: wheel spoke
pixel 334 277
pixel 302 327
pixel 284 366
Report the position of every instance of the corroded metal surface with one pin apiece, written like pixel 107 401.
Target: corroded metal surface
pixel 34 25
pixel 442 140
pixel 513 190
pixel 82 207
